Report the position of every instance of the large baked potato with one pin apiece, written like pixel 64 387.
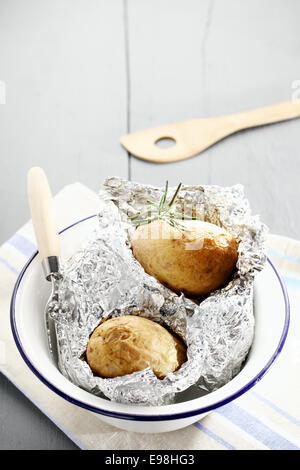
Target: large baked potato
pixel 194 261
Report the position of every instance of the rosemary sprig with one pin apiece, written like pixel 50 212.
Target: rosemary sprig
pixel 163 211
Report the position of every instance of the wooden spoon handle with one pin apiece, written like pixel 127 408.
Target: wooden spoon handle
pixel 266 115
pixel 42 213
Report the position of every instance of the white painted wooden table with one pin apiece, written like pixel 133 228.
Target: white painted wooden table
pixel 78 75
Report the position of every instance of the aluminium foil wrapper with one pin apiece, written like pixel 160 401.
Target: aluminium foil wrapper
pixel 104 280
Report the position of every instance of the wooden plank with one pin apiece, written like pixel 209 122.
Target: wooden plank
pixel 63 64
pixel 23 426
pixel 212 58
pixel 166 70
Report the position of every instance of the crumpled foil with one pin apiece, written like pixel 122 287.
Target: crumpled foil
pixel 103 280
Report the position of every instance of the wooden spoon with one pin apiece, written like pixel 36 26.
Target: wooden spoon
pixel 192 137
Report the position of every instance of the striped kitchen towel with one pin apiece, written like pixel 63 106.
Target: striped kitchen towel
pixel 266 417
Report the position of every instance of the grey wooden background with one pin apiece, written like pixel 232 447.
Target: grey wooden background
pixel 80 74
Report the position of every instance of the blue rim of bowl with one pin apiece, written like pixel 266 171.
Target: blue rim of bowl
pixel 141 417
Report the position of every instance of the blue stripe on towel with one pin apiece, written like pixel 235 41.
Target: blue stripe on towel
pixel 9 266
pixel 214 436
pixel 291 282
pixel 283 256
pixel 255 428
pixel 276 408
pixel 22 244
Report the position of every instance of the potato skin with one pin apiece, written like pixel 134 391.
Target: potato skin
pixel 194 262
pixel 130 343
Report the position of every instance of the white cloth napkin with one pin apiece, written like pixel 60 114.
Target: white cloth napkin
pixel 266 417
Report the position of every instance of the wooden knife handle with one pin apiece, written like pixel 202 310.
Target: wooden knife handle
pixel 42 213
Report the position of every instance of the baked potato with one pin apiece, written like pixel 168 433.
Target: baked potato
pixel 194 261
pixel 130 343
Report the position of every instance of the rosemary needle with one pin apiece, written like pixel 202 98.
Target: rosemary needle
pixel 163 211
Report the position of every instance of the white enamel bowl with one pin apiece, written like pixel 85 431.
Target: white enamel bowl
pixel 27 306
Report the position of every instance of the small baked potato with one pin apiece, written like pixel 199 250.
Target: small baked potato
pixel 194 261
pixel 130 343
